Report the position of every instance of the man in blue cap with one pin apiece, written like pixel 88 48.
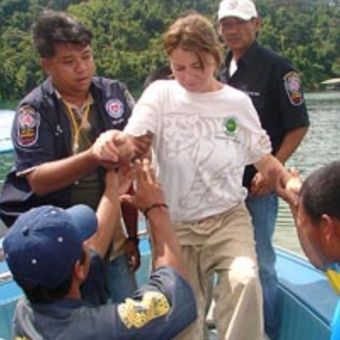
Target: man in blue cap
pixel 47 251
pixel 317 219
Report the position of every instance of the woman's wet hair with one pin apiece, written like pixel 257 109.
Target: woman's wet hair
pixel 194 33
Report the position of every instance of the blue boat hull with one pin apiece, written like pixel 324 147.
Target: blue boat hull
pixel 307 302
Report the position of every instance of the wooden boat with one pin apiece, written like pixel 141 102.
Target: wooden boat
pixel 306 300
pixel 332 83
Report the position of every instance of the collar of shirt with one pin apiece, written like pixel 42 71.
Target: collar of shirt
pixel 56 307
pixel 243 61
pixel 78 110
pixel 333 275
pixel 246 58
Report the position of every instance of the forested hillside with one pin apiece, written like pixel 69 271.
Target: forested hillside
pixel 128 33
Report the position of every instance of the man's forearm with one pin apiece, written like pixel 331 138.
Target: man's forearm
pixel 165 246
pixel 108 213
pixel 290 143
pixel 130 217
pixel 56 175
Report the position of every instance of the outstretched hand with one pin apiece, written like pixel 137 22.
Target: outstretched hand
pixel 119 180
pixel 148 190
pixel 289 189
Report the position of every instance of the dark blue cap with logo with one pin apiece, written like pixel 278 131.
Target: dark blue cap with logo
pixel 44 243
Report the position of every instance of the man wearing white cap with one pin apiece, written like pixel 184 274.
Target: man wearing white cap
pixel 275 89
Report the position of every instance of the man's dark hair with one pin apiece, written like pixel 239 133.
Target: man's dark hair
pixel 320 192
pixel 58 27
pixel 42 294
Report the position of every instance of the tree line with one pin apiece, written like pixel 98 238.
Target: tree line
pixel 128 37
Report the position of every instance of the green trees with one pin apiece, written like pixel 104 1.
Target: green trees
pixel 307 33
pixel 128 36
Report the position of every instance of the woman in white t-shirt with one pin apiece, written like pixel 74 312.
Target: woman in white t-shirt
pixel 205 133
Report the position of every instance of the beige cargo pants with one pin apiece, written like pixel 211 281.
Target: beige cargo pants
pixel 223 245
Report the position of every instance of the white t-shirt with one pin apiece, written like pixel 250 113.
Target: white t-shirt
pixel 202 141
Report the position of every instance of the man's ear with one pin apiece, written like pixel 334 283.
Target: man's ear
pixel 330 231
pixel 44 62
pixel 79 271
pixel 258 24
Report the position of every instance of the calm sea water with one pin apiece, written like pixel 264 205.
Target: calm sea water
pixel 320 146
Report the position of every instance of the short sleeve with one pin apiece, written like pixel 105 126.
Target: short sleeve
pixel 158 310
pixel 291 99
pixel 33 138
pixel 145 114
pixel 255 138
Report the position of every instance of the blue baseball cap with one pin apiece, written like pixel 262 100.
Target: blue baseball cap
pixel 44 243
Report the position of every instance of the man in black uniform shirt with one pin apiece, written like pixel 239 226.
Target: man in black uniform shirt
pixel 275 89
pixel 63 138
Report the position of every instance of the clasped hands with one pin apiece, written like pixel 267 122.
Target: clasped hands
pixel 114 148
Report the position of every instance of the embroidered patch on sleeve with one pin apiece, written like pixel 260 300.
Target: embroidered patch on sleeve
pixel 292 83
pixel 138 313
pixel 114 108
pixel 28 126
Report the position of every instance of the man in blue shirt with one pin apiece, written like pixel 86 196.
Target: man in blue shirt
pixel 317 216
pixel 317 219
pixel 47 251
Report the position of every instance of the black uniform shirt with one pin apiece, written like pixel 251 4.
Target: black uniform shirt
pixel 42 133
pixel 275 89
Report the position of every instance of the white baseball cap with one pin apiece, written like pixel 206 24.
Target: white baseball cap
pixel 243 9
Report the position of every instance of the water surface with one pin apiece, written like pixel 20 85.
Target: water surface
pixel 319 147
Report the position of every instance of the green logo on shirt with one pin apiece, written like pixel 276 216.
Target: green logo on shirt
pixel 230 126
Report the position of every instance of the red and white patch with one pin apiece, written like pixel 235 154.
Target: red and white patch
pixel 292 83
pixel 114 108
pixel 28 126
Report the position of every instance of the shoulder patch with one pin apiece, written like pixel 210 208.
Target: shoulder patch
pixel 292 83
pixel 28 126
pixel 138 313
pixel 114 108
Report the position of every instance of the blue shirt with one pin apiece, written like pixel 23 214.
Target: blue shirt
pixel 158 310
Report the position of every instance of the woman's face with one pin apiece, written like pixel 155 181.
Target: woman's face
pixel 187 70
